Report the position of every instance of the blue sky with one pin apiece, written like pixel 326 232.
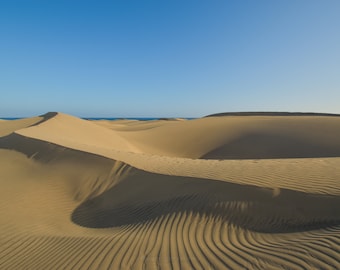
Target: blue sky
pixel 175 58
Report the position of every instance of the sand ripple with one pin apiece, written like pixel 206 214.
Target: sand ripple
pixel 126 195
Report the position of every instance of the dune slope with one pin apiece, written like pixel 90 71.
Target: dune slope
pixel 78 194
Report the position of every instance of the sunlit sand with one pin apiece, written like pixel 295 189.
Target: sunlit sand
pixel 220 192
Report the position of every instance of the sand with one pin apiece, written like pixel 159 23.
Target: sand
pixel 221 192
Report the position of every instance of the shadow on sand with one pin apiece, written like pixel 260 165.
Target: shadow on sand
pixel 144 196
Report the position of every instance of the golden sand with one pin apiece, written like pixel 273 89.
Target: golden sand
pixel 227 192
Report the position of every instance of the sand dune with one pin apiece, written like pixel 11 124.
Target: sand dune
pixel 7 127
pixel 226 192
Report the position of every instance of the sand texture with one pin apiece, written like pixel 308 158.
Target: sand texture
pixel 220 192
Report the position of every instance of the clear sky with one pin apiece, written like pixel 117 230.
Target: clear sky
pixel 174 58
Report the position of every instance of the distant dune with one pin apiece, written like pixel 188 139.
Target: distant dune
pixel 272 114
pixel 237 191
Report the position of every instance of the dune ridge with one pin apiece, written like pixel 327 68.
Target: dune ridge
pixel 272 114
pixel 79 194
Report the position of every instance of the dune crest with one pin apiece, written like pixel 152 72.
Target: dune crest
pixel 64 129
pixel 227 192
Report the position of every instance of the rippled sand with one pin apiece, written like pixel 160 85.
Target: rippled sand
pixel 226 192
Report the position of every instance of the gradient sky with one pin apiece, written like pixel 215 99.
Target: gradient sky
pixel 175 58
